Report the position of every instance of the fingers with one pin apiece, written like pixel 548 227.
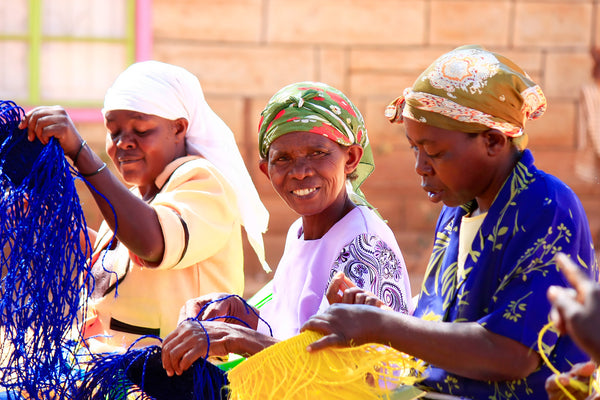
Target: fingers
pixel 323 323
pixel 574 275
pixel 189 310
pixel 331 340
pixel 356 295
pixel 39 123
pixel 575 381
pixel 182 347
pixel 584 369
pixel 553 389
pixel 44 123
pixel 192 307
pixel 343 290
pixel 167 355
pixel 316 323
pixel 338 285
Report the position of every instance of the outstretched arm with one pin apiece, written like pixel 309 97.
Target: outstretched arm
pixel 138 226
pixel 465 349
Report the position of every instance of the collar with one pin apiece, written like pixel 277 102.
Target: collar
pixel 166 173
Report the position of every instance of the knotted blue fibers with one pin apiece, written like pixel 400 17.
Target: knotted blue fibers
pixel 139 374
pixel 45 248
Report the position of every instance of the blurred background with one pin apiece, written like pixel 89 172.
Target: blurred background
pixel 68 52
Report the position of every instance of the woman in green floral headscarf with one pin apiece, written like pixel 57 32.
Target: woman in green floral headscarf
pixel 318 108
pixel 315 151
pixel 483 300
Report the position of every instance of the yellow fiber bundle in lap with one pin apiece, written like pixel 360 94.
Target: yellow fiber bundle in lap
pixel 287 371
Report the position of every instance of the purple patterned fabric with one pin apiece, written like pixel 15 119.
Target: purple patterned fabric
pixel 361 244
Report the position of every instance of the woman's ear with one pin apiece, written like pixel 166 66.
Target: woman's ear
pixel 355 153
pixel 495 141
pixel 181 127
pixel 263 165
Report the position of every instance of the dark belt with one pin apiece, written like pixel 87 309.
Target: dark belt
pixel 117 325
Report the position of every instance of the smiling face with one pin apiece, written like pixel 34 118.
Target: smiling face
pixel 309 171
pixel 457 167
pixel 141 145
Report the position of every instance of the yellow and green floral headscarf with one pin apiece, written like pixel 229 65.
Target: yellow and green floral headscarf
pixel 321 109
pixel 472 90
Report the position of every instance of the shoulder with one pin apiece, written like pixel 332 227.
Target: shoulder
pixel 192 169
pixel 549 195
pixel 361 220
pixel 195 167
pixel 366 232
pixel 534 195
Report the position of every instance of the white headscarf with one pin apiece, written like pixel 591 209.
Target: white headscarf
pixel 171 92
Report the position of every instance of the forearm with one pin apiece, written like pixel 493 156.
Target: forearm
pixel 247 342
pixel 137 224
pixel 465 349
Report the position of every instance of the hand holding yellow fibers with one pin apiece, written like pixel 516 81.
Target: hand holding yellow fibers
pixel 286 371
pixel 574 383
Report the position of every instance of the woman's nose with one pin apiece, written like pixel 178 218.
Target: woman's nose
pixel 422 164
pixel 125 140
pixel 301 168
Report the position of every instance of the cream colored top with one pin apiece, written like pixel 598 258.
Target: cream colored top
pixel 468 229
pixel 198 214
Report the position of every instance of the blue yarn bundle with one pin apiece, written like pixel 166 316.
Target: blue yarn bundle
pixel 44 269
pixel 139 374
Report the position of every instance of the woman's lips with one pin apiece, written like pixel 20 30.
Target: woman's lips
pixel 434 195
pixel 304 192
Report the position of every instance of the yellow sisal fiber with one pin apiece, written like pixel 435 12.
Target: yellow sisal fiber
pixel 592 386
pixel 287 371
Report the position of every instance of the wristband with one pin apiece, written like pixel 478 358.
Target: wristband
pixel 96 172
pixel 79 151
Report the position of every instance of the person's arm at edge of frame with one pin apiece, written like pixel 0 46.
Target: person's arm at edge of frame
pixel 139 228
pixel 466 349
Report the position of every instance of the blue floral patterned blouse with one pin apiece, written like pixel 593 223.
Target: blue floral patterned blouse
pixel 507 273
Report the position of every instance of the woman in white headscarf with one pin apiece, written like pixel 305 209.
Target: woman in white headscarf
pixel 177 228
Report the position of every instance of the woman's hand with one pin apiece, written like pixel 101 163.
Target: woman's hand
pixel 192 339
pixel 220 305
pixel 575 381
pixel 343 290
pixel 576 311
pixel 345 325
pixel 44 123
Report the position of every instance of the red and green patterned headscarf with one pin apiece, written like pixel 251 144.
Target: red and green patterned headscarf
pixel 472 90
pixel 321 109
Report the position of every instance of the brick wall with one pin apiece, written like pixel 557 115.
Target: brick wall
pixel 245 50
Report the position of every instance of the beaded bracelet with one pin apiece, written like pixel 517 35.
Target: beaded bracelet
pixel 79 151
pixel 96 172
